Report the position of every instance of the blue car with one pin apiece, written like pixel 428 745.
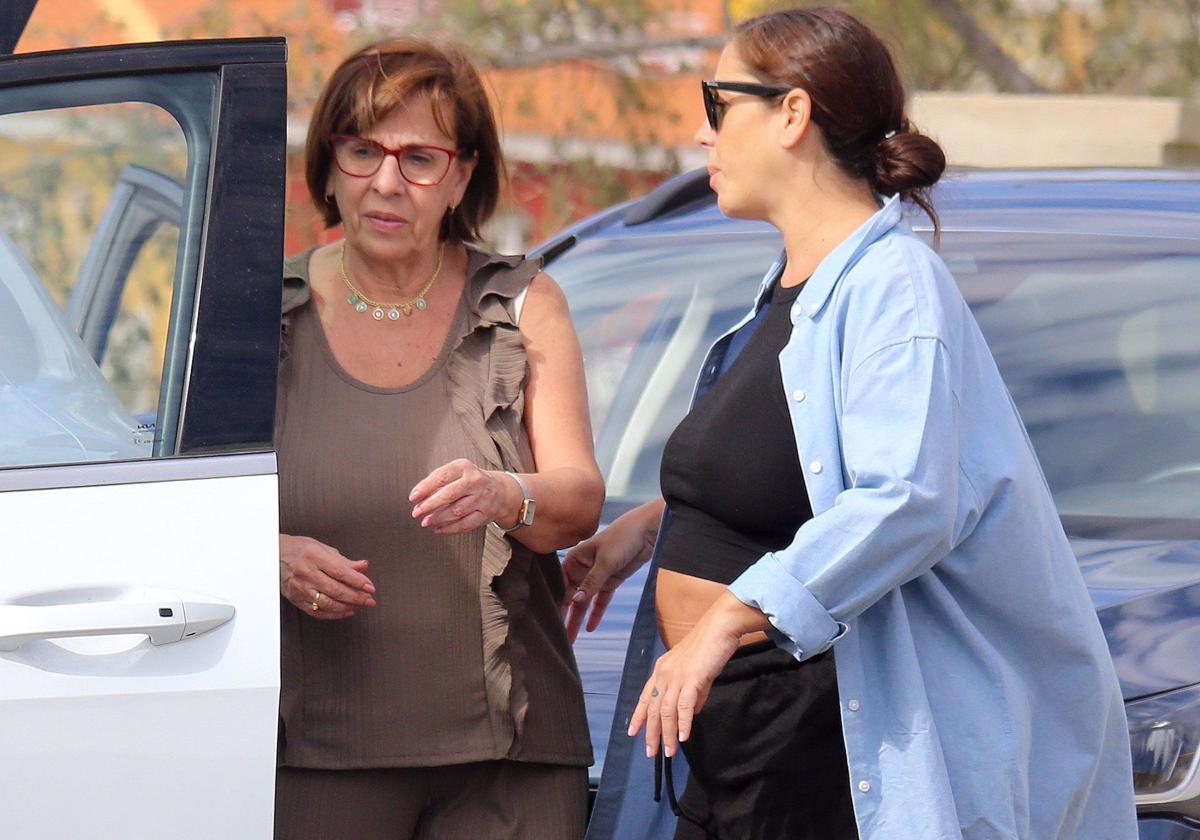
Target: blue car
pixel 1087 286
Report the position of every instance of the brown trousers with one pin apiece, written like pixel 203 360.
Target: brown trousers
pixel 489 800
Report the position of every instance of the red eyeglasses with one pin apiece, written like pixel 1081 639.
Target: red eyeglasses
pixel 358 157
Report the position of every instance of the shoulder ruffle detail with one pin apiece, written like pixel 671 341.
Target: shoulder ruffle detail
pixel 494 283
pixel 488 371
pixel 296 293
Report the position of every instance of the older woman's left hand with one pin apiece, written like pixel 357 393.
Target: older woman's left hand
pixel 458 497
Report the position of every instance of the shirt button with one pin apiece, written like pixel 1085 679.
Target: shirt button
pixel 853 706
pixel 798 395
pixel 816 467
pixel 864 786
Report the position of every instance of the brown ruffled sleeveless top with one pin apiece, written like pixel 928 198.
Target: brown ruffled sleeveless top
pixel 465 657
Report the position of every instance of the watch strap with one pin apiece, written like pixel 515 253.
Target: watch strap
pixel 525 514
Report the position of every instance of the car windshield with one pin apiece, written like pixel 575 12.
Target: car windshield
pixel 646 312
pixel 55 405
pixel 1096 338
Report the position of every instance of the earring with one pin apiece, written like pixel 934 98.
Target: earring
pixel 447 220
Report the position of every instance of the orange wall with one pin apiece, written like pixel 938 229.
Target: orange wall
pixel 314 39
pixel 588 101
pixel 569 100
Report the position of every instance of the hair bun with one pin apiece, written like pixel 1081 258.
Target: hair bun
pixel 857 98
pixel 907 162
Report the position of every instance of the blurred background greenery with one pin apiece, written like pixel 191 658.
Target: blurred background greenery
pixel 598 100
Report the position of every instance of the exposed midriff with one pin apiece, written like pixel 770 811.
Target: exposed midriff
pixel 680 601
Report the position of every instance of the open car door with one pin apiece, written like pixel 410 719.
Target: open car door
pixel 141 219
pixel 14 14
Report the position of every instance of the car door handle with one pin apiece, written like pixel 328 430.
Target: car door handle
pixel 164 616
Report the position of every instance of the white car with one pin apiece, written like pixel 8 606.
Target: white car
pixel 141 232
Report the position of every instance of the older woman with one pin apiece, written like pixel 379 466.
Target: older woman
pixel 434 451
pixel 876 626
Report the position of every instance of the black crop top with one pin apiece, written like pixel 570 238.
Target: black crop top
pixel 730 472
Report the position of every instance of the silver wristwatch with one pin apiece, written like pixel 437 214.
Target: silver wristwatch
pixel 528 505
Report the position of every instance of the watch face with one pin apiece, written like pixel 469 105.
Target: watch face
pixel 527 511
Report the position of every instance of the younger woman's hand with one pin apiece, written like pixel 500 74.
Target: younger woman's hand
pixel 597 566
pixel 683 676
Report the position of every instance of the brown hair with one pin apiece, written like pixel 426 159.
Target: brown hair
pixel 377 78
pixel 857 96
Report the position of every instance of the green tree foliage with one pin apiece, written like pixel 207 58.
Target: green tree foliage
pixel 506 30
pixel 1018 46
pixel 1148 47
pixel 1088 46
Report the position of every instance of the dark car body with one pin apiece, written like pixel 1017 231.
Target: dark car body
pixel 1087 286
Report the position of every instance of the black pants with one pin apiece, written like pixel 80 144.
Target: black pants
pixel 766 753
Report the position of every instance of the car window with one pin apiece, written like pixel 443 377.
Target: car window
pixel 93 190
pixel 1094 336
pixel 647 310
pixel 1096 339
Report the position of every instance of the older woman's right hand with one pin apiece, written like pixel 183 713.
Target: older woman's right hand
pixel 319 581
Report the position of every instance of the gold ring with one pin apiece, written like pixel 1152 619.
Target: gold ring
pixel 315 606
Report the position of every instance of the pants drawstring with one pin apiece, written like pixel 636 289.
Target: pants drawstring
pixel 662 767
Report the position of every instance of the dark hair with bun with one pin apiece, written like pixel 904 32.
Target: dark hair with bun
pixel 857 97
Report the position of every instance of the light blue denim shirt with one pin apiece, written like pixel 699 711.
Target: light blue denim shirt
pixel 978 696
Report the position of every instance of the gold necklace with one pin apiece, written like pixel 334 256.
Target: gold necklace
pixel 362 303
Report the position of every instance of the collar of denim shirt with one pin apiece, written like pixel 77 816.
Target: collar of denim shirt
pixel 820 285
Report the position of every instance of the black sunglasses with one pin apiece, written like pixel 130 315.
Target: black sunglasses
pixel 714 108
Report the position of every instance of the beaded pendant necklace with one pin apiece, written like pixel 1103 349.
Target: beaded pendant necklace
pixel 379 309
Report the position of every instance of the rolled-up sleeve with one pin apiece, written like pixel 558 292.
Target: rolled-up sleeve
pixel 895 519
